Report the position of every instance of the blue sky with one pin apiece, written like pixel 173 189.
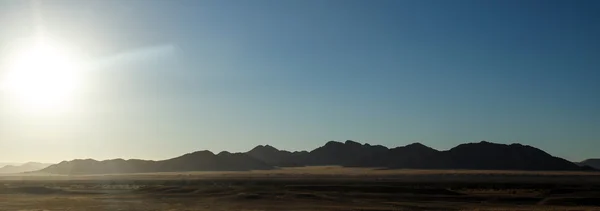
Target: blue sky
pixel 228 75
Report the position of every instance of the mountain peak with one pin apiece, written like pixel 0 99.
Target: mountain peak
pixel 264 147
pixel 333 143
pixel 223 153
pixel 350 142
pixel 199 153
pixel 416 145
pixel 477 144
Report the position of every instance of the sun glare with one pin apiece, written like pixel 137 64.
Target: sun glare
pixel 42 77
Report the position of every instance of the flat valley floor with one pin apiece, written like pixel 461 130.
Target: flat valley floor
pixel 306 188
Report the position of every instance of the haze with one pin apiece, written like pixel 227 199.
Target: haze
pixel 164 78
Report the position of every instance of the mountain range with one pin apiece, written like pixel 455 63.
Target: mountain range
pixel 196 161
pixel 26 167
pixel 481 155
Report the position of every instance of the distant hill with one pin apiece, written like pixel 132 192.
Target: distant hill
pixel 31 166
pixel 6 164
pixel 481 155
pixel 594 163
pixel 196 161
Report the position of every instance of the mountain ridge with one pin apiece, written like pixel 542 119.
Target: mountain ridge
pixel 195 161
pixel 477 155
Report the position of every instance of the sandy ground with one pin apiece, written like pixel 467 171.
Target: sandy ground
pixel 308 188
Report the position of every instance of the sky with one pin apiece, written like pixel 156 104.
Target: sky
pixel 166 78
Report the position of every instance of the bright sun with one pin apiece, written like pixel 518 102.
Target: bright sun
pixel 42 77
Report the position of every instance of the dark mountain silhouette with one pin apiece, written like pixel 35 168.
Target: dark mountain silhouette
pixel 486 155
pixel 348 153
pixel 31 166
pixel 280 158
pixel 482 155
pixel 196 161
pixel 594 163
pixel 414 155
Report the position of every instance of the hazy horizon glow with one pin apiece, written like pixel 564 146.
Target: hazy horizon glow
pixel 172 77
